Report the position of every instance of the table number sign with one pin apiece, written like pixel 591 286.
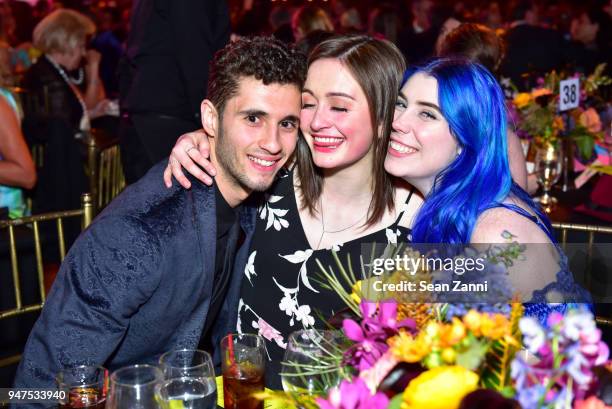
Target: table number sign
pixel 569 94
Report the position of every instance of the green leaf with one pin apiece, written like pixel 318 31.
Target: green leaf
pixel 396 402
pixel 473 355
pixel 496 372
pixel 586 145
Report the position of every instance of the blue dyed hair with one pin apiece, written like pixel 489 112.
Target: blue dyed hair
pixel 479 178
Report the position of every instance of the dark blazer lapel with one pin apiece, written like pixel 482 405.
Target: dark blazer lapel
pixel 203 213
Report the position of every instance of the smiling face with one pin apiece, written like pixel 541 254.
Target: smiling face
pixel 257 135
pixel 335 116
pixel 421 142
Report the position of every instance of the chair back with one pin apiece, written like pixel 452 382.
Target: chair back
pixel 594 235
pixel 85 213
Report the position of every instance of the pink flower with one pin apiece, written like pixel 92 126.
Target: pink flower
pixel 270 333
pixel 379 323
pixel 353 395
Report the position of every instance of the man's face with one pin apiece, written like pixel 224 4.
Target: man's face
pixel 257 134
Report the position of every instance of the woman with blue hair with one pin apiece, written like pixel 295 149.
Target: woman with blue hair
pixel 449 142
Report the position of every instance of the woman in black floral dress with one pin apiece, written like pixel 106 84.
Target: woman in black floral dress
pixel 337 197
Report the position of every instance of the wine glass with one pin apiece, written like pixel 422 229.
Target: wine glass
pixel 134 387
pixel 548 163
pixel 83 386
pixel 304 367
pixel 190 380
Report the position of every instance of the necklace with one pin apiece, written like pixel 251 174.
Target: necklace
pixel 79 79
pixel 84 125
pixel 323 231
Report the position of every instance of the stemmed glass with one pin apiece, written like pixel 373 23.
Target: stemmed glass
pixel 548 163
pixel 305 368
pixel 134 387
pixel 83 387
pixel 190 380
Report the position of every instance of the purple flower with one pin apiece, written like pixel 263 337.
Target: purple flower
pixel 529 398
pixel 353 395
pixel 534 337
pixel 379 323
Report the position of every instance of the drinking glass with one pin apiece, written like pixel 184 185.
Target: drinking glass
pixel 304 368
pixel 190 380
pixel 134 386
pixel 243 367
pixel 548 163
pixel 190 363
pixel 83 386
pixel 187 393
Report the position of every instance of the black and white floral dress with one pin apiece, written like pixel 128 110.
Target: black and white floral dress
pixel 280 291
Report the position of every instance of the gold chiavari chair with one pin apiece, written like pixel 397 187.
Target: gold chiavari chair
pixel 110 176
pixel 104 169
pixel 592 232
pixel 86 215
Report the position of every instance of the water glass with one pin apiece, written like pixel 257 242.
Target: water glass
pixel 304 367
pixel 134 387
pixel 243 367
pixel 83 387
pixel 187 393
pixel 189 363
pixel 190 380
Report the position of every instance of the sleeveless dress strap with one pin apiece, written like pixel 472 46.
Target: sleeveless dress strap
pixel 525 213
pixel 405 205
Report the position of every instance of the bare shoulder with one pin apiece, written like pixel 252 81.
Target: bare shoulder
pixel 492 224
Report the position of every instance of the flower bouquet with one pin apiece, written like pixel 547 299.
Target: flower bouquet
pixel 456 355
pixel 536 113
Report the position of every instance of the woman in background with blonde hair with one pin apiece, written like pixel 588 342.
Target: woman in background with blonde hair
pixel 310 18
pixel 62 38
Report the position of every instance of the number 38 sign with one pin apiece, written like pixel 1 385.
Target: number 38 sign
pixel 569 95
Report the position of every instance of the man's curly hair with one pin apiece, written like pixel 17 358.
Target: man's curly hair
pixel 264 58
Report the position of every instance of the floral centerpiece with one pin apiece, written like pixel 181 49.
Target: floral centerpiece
pixel 536 113
pixel 453 356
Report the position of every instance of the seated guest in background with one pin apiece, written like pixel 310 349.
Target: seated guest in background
pixel 480 44
pixel 417 40
pixel 531 50
pixel 16 166
pixel 161 269
pixel 62 37
pixel 591 34
pixel 56 110
pixel 310 18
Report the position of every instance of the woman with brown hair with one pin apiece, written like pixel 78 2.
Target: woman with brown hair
pixel 337 196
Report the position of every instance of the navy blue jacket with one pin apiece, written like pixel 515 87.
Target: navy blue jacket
pixel 137 283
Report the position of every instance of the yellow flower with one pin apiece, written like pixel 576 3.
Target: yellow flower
pixel 558 123
pixel 409 349
pixel 356 293
pixel 452 334
pixel 495 326
pixel 449 355
pixel 590 120
pixel 472 321
pixel 522 99
pixel 439 388
pixel 539 92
